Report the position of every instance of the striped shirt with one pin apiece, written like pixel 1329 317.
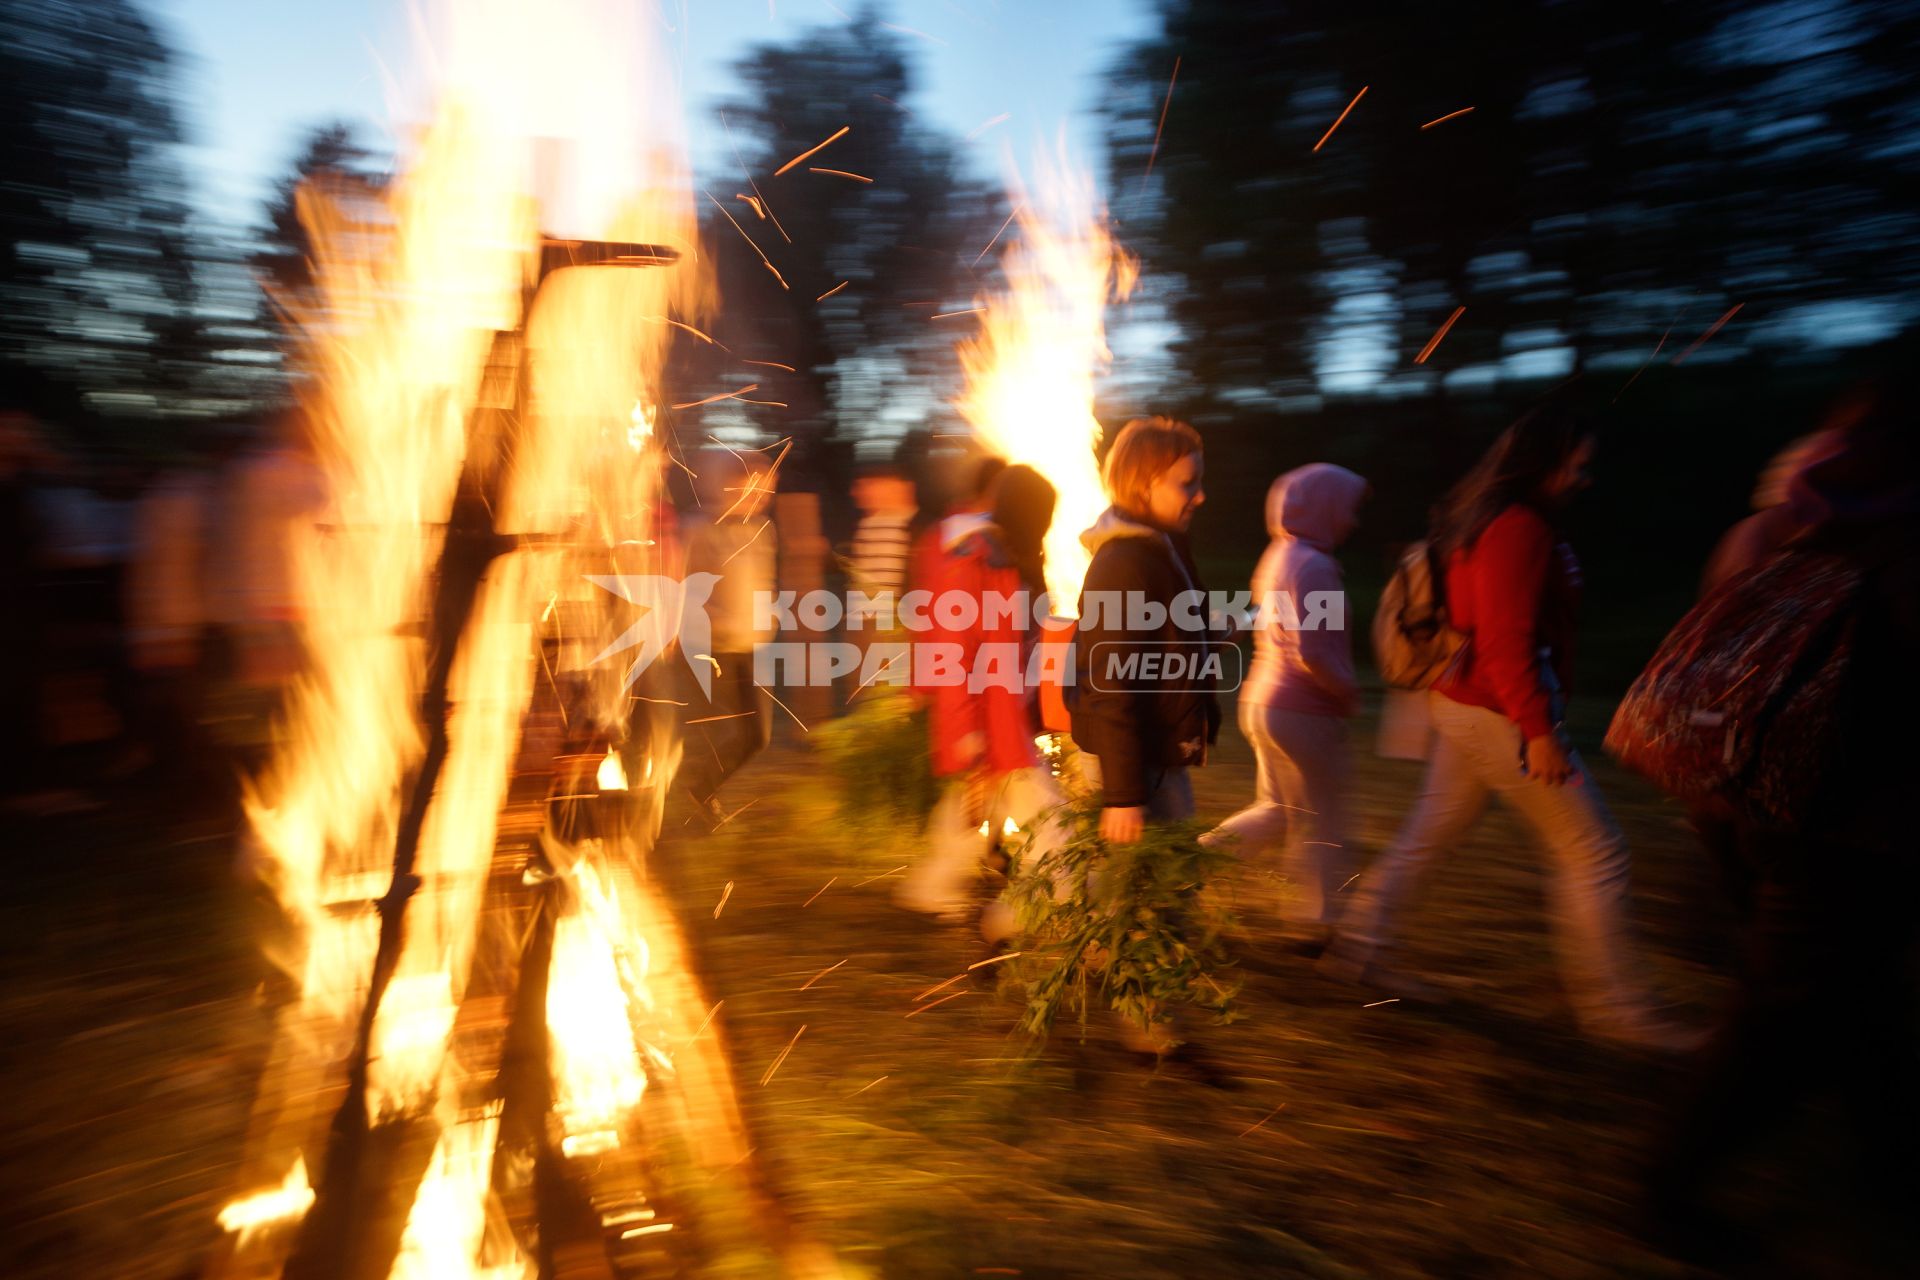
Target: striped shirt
pixel 882 548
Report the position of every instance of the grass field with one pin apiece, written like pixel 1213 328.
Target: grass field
pixel 1483 1140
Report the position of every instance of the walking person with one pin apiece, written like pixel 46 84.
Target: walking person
pixel 1139 736
pixel 971 510
pixel 731 722
pixel 1140 733
pixel 881 552
pixel 1297 698
pixel 982 721
pixel 1512 587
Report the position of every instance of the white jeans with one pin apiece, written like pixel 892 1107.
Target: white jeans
pixel 942 882
pixel 1477 754
pixel 1300 799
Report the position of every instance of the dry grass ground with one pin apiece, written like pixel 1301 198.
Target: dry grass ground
pixel 1486 1139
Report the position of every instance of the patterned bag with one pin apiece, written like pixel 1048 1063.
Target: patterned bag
pixel 1739 710
pixel 1412 644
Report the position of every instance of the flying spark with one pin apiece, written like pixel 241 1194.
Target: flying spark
pixel 1343 116
pixel 764 259
pixel 839 133
pixel 783 1055
pixel 996 235
pixel 985 125
pixel 823 973
pixel 1167 105
pixel 1701 341
pixel 726 395
pixel 909 31
pixel 937 1003
pixel 1262 1120
pixel 1434 341
pixel 1449 116
pixel 840 173
pixel 829 293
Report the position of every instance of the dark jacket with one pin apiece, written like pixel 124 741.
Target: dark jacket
pixel 1139 726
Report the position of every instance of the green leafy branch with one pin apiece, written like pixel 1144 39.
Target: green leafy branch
pixel 1127 922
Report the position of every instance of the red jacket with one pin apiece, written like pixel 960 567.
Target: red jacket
pixel 993 657
pixel 1513 593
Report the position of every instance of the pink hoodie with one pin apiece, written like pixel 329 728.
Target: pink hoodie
pixel 1309 511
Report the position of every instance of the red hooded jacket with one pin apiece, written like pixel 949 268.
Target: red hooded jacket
pixel 990 703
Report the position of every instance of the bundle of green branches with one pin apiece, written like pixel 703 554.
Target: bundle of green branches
pixel 1125 923
pixel 878 751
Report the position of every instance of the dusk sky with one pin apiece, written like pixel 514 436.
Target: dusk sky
pixel 259 74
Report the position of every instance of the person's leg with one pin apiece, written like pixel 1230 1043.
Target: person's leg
pixel 1256 831
pixel 1312 770
pixel 1587 888
pixel 941 883
pixel 1035 803
pixel 1759 1061
pixel 1452 798
pixel 718 720
pixel 747 728
pixel 1172 796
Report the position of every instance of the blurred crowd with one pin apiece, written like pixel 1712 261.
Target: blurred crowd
pixel 153 614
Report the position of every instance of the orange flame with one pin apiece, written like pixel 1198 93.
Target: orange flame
pixel 1042 340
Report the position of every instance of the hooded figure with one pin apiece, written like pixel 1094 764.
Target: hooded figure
pixel 981 720
pixel 1297 696
pixel 1775 521
pixel 1307 666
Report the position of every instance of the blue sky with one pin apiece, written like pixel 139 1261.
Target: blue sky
pixel 258 73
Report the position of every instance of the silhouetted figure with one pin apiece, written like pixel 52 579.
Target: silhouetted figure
pixel 731 539
pixel 1827 991
pixel 982 721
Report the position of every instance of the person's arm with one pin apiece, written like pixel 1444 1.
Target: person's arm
pixel 1326 652
pixel 1005 709
pixel 1110 715
pixel 1510 564
pixel 956 711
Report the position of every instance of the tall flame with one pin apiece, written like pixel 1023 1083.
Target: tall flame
pixel 1042 340
pixel 554 116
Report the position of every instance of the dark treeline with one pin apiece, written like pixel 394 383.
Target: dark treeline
pixel 1627 174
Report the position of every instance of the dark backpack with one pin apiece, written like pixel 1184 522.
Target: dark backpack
pixel 1412 643
pixel 1739 712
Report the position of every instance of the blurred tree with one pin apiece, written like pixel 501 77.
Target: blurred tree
pixel 97 289
pixel 330 154
pixel 1624 167
pixel 846 270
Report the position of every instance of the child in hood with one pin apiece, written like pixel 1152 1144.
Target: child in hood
pixel 1299 693
pixel 982 721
